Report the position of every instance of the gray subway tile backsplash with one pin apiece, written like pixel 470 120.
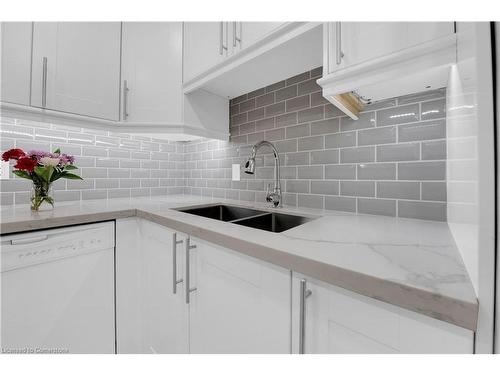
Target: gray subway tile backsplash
pixel 385 207
pixel 325 187
pixel 434 150
pixel 398 152
pixel 433 109
pixel 340 203
pixel 398 189
pixel 338 140
pixel 392 161
pixel 377 136
pixel 434 191
pixel 422 131
pixel 112 164
pixel 435 170
pixel 377 171
pixel 422 210
pixel 357 155
pixel 398 115
pixel 340 172
pixel 366 120
pixel 357 188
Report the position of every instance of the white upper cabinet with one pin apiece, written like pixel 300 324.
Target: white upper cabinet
pixel 329 319
pixel 231 58
pixel 240 305
pixel 76 68
pixel 357 42
pixel 205 45
pixel 15 62
pixel 248 33
pixel 152 72
pixel 369 61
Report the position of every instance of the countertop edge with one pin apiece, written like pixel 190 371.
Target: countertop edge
pixel 48 223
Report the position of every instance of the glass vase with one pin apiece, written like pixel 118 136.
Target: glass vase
pixel 41 197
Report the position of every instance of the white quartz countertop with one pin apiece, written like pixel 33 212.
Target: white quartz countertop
pixel 413 264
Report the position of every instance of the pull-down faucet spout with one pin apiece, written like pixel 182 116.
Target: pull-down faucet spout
pixel 275 195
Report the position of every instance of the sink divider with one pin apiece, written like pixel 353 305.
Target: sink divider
pixel 236 221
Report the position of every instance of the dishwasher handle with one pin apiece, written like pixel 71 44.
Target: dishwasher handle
pixel 24 241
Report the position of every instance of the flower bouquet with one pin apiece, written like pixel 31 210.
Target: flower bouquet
pixel 43 168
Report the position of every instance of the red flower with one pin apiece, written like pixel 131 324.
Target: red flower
pixel 26 164
pixel 14 153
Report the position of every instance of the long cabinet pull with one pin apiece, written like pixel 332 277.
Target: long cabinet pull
pixel 304 293
pixel 187 276
pixel 44 82
pixel 338 35
pixel 175 281
pixel 235 34
pixel 125 99
pixel 222 47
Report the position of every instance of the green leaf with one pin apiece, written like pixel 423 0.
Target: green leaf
pixel 71 176
pixel 70 167
pixel 22 174
pixel 56 175
pixel 45 173
pixel 57 151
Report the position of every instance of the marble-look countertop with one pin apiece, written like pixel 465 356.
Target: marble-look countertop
pixel 413 264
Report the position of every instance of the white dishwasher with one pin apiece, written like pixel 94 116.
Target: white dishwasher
pixel 57 290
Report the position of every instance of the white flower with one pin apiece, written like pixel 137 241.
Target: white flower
pixel 48 161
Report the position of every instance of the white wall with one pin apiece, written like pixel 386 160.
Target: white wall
pixel 470 167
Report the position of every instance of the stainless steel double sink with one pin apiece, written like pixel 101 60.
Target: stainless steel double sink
pixel 269 221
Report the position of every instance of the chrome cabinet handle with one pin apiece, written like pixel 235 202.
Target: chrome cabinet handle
pixel 44 82
pixel 125 99
pixel 338 35
pixel 304 293
pixel 222 47
pixel 188 286
pixel 175 281
pixel 235 34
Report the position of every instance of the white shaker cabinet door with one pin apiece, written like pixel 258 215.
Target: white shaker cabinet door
pixel 15 62
pixel 248 33
pixel 76 68
pixel 152 72
pixel 363 41
pixel 151 318
pixel 335 320
pixel 240 305
pixel 205 46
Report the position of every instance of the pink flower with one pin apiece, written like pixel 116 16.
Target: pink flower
pixel 40 154
pixel 66 159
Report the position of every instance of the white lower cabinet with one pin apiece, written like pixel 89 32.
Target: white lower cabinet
pixel 329 319
pixel 150 318
pixel 237 304
pixel 240 305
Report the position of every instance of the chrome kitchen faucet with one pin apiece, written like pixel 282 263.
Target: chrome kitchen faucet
pixel 275 195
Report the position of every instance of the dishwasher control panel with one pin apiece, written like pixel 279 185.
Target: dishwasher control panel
pixel 28 249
